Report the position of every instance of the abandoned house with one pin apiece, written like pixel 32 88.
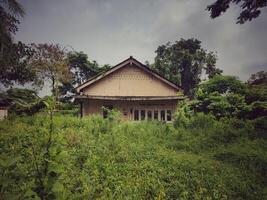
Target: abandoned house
pixel 132 88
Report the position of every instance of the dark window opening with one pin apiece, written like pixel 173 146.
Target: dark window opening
pixel 149 115
pixel 169 115
pixel 162 115
pixel 136 115
pixel 143 114
pixel 106 109
pixel 156 115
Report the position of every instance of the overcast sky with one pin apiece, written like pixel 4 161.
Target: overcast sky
pixel 109 31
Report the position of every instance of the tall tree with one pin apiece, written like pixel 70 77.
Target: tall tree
pixel 250 9
pixel 183 63
pixel 14 65
pixel 50 62
pixel 83 69
pixel 210 68
pixel 13 56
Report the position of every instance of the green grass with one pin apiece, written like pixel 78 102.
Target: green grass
pixel 93 158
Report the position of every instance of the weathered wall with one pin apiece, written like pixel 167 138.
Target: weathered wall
pixel 125 107
pixel 3 113
pixel 130 81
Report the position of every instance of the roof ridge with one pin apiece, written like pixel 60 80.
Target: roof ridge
pixel 78 88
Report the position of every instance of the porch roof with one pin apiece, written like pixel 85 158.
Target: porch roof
pixel 128 98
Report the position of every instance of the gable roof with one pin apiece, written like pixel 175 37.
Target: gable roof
pixel 126 62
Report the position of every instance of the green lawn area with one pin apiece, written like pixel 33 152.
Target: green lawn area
pixel 95 158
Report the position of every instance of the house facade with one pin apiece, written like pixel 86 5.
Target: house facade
pixel 132 88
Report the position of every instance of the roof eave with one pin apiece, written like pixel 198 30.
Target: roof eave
pixel 128 98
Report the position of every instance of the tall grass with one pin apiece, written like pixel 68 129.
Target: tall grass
pixel 95 158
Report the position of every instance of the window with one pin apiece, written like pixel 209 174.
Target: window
pixel 162 115
pixel 143 114
pixel 169 115
pixel 149 115
pixel 106 109
pixel 136 115
pixel 156 115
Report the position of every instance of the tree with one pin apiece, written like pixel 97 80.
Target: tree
pixel 223 85
pixel 14 65
pixel 250 9
pixel 210 68
pixel 183 62
pixel 223 96
pixel 226 96
pixel 50 63
pixel 13 56
pixel 10 10
pixel 258 79
pixel 83 69
pixel 25 101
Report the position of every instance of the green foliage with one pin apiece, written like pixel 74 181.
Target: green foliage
pixel 13 55
pixel 83 69
pixel 25 101
pixel 248 9
pixel 226 96
pixel 96 158
pixel 49 62
pixel 14 64
pixel 181 118
pixel 223 84
pixel 259 78
pixel 183 62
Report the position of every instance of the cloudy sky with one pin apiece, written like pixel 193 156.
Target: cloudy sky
pixel 109 31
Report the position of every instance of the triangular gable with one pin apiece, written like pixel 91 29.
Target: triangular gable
pixel 129 61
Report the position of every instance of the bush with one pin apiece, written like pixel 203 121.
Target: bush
pixel 96 158
pixel 201 121
pixel 260 128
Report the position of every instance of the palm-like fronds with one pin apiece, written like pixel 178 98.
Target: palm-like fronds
pixel 13 6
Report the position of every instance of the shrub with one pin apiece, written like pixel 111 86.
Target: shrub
pixel 201 121
pixel 96 158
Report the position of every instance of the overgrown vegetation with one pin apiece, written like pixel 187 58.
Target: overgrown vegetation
pixel 90 158
pixel 215 149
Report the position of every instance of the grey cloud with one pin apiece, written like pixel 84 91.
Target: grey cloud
pixel 111 30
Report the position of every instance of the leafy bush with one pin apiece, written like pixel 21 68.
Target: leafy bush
pixel 226 96
pixel 201 121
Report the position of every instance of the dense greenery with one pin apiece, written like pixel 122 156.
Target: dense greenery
pixel 226 96
pixel 183 63
pixel 89 158
pixel 83 69
pixel 13 55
